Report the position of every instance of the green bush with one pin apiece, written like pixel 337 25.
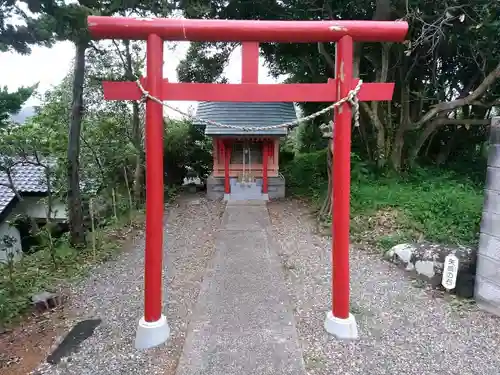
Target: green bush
pixel 286 154
pixel 185 146
pixel 306 173
pixel 443 206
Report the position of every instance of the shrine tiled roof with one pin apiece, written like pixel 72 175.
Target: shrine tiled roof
pixel 249 114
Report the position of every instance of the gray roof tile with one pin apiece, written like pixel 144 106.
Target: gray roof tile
pixel 27 178
pixel 245 114
pixel 6 196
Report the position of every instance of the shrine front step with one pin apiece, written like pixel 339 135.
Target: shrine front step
pixel 245 191
pixel 243 321
pixel 276 188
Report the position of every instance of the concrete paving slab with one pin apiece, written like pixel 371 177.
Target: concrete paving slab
pixel 256 352
pixel 245 217
pixel 243 322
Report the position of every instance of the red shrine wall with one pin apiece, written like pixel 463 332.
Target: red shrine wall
pixel 236 159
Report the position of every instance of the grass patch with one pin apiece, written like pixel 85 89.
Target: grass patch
pixel 428 204
pixel 385 242
pixel 37 272
pixel 439 209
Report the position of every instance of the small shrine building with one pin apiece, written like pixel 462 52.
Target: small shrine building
pixel 245 161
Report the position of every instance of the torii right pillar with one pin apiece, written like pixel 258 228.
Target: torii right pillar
pixel 339 321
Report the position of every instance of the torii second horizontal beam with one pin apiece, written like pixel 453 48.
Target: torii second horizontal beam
pixel 101 27
pixel 248 92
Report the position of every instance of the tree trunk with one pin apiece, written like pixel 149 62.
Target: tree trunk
pixel 75 211
pixel 138 172
pixel 397 150
pixel 429 144
pixel 136 131
pixel 365 139
pixel 399 137
pixel 444 152
pixel 380 154
pixel 382 13
pixel 327 206
pixel 424 135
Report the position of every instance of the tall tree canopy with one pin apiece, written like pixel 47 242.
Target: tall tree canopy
pixel 47 20
pixel 446 72
pixel 12 102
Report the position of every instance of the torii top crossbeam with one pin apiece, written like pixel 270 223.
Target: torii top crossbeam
pixel 244 31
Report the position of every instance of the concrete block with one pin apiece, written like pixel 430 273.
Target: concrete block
pixel 489 246
pixel 495 131
pixel 490 223
pixel 489 268
pixel 487 295
pixel 492 201
pixel 215 187
pixel 276 187
pixel 494 155
pixel 493 177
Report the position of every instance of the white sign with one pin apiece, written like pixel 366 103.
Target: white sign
pixel 450 272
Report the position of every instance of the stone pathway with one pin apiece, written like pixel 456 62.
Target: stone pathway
pixel 403 329
pixel 114 294
pixel 243 322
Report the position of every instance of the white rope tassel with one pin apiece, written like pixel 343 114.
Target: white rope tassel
pixel 351 98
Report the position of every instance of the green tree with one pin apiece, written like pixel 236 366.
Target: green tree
pixel 67 21
pixel 18 33
pixel 19 30
pixel 12 102
pixel 202 64
pixel 123 61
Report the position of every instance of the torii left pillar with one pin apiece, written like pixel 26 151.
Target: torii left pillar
pixel 153 327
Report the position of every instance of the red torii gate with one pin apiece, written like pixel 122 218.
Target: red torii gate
pixel 153 327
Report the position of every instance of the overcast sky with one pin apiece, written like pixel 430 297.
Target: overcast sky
pixel 49 66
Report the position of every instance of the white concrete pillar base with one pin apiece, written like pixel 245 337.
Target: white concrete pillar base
pixel 343 329
pixel 151 334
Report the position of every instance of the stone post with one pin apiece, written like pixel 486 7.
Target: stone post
pixel 487 288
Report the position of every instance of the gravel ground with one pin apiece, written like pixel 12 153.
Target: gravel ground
pixel 403 329
pixel 114 294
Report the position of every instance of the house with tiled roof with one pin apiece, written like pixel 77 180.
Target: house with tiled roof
pixel 29 181
pixel 246 148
